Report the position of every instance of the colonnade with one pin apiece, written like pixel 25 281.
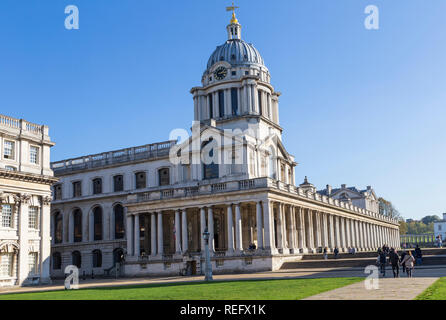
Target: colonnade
pixel 273 226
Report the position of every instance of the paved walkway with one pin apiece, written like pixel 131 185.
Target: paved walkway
pixel 428 272
pixel 389 289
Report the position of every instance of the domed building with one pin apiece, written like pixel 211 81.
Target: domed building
pixel 144 210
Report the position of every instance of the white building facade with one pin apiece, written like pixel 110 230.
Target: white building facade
pixel 233 176
pixel 25 198
pixel 440 228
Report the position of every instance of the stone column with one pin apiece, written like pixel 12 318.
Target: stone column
pixel 129 234
pixel 45 242
pixel 267 225
pixel 259 224
pixel 211 229
pixel 146 233
pixel 184 233
pixel 22 217
pixel 301 229
pixel 317 229
pixel 337 232
pixel 309 231
pixel 230 222
pixel 353 234
pixel 177 232
pixel 325 243
pixel 279 228
pixel 343 233
pixel 91 226
pixel 348 241
pixel 238 229
pixel 71 228
pixel 332 231
pixel 202 226
pixel 153 234
pixel 111 229
pixel 160 234
pixel 137 236
pixel 293 229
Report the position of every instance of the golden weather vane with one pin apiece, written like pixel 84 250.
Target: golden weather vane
pixel 232 8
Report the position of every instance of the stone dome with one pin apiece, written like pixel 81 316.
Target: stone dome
pixel 237 53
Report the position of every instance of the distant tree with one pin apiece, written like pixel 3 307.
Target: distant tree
pixel 403 226
pixel 430 219
pixel 386 208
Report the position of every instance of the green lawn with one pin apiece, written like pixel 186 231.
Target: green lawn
pixel 290 289
pixel 437 291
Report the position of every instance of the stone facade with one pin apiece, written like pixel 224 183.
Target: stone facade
pixel 151 204
pixel 25 197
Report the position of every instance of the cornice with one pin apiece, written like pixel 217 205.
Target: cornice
pixel 28 177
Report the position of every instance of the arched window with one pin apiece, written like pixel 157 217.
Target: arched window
pixel 140 179
pixel 97 186
pixel 164 176
pixel 119 221
pixel 76 259
pixel 57 261
pixel 97 220
pixel 58 228
pixel 210 170
pixel 77 220
pixel 97 258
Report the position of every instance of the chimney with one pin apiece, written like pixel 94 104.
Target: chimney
pixel 444 216
pixel 369 188
pixel 329 189
pixel 343 186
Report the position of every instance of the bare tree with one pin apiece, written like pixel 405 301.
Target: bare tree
pixel 386 208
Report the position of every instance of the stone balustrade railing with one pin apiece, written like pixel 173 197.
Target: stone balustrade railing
pixel 206 189
pixel 22 126
pixel 145 152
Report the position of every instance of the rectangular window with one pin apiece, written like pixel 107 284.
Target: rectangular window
pixel 33 218
pixel 32 263
pixel 9 168
pixel 8 150
pixel 97 186
pixel 140 178
pixel 211 107
pixel 77 189
pixel 221 103
pixel 58 192
pixel 118 183
pixel 234 101
pixel 34 155
pixel 6 260
pixel 6 216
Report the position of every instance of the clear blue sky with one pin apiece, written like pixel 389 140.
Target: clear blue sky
pixel 358 107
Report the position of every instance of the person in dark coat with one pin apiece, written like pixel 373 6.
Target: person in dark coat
pixel 336 252
pixel 418 255
pixel 394 260
pixel 403 264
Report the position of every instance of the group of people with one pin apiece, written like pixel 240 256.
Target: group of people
pixel 407 260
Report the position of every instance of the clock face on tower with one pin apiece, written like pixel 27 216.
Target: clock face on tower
pixel 220 73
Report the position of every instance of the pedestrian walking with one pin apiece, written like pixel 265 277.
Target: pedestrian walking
pixel 394 260
pixel 325 253
pixel 409 261
pixel 403 264
pixel 418 256
pixel 336 252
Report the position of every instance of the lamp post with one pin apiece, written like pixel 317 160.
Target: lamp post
pixel 208 272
